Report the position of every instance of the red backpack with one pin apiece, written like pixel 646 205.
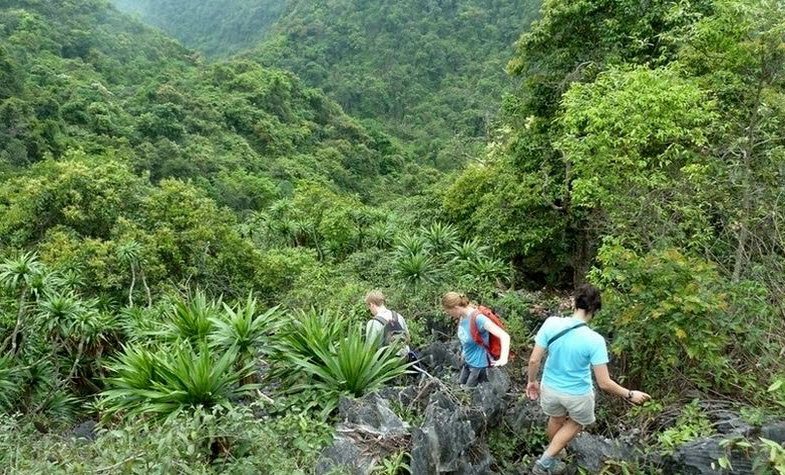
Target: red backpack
pixel 494 346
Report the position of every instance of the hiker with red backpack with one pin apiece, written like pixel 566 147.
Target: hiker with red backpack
pixel 484 342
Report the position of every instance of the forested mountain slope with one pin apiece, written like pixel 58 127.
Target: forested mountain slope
pixel 80 75
pixel 102 114
pixel 215 27
pixel 185 247
pixel 431 72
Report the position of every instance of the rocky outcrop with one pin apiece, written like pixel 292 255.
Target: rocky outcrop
pixel 451 438
pixel 702 456
pixel 440 358
pixel 370 431
pixel 590 451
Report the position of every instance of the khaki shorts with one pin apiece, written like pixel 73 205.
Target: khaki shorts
pixel 578 408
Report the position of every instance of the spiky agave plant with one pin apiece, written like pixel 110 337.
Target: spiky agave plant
pixel 56 311
pixel 190 319
pixel 488 269
pixel 8 381
pixel 468 250
pixel 440 236
pixel 20 272
pixel 244 329
pixel 381 235
pixel 303 335
pixel 352 367
pixel 164 381
pixel 20 275
pixel 308 332
pixel 416 269
pixel 410 245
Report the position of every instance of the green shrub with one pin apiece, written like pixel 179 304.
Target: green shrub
pixel 672 320
pixel 244 329
pixel 691 424
pixel 353 366
pixel 216 440
pixel 166 380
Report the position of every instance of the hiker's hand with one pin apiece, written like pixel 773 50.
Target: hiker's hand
pixel 639 397
pixel 533 390
pixel 500 362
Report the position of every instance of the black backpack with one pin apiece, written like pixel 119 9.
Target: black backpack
pixel 392 330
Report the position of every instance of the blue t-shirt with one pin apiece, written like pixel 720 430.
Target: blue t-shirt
pixel 474 355
pixel 570 358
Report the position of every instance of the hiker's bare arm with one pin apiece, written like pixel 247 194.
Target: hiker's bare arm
pixel 608 385
pixel 534 362
pixel 533 387
pixel 504 337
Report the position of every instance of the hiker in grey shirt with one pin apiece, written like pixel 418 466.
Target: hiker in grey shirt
pixel 386 326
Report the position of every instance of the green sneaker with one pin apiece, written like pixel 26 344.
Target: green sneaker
pixel 557 468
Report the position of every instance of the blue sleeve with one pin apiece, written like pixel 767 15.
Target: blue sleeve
pixel 543 334
pixel 599 353
pixel 481 321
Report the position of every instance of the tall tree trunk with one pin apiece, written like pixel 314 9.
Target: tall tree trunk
pixel 19 317
pixel 740 256
pixel 146 288
pixel 133 283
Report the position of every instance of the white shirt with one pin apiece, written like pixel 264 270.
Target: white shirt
pixel 374 328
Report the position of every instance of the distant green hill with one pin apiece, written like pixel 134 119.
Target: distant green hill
pixel 79 75
pixel 430 72
pixel 216 27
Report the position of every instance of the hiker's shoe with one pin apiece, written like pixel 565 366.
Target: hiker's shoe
pixel 557 468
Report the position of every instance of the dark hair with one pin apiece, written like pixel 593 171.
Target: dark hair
pixel 588 298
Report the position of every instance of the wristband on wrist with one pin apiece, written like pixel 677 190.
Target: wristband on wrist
pixel 629 395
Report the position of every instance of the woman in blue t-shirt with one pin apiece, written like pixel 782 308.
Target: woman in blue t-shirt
pixel 476 358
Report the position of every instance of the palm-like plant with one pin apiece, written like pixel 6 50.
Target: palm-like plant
pixel 130 252
pixel 42 283
pixel 488 269
pixel 141 323
pixel 166 381
pixel 303 336
pixel 68 279
pixel 309 332
pixel 381 235
pixel 191 319
pixel 67 323
pixel 416 269
pixel 19 275
pixel 8 383
pixel 57 312
pixel 411 245
pixel 243 329
pixel 354 366
pixel 468 250
pixel 440 237
pixel 20 272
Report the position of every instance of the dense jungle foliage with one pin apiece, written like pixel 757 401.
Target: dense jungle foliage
pixel 432 73
pixel 184 245
pixel 213 27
